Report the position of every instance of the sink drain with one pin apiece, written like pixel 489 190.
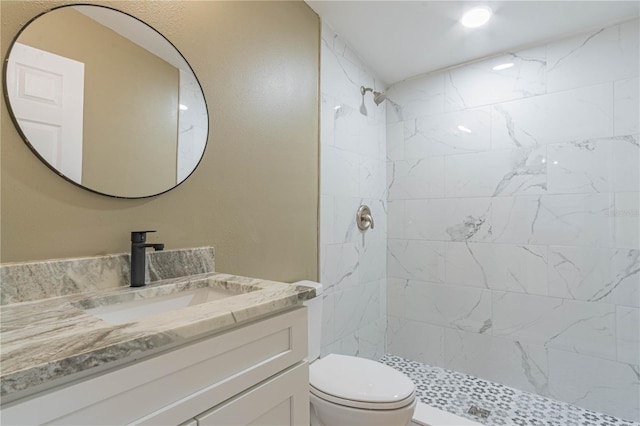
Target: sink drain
pixel 479 412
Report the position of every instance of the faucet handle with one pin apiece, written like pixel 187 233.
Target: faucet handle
pixel 364 219
pixel 139 236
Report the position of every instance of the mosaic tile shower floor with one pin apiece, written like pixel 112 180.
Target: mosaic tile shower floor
pixel 456 392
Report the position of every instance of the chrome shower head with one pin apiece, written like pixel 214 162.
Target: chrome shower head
pixel 378 97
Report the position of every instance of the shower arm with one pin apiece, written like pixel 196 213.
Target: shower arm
pixel 378 97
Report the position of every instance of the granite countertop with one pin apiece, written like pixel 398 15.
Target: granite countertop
pixel 46 340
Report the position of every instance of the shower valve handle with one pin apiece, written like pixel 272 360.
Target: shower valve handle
pixel 364 219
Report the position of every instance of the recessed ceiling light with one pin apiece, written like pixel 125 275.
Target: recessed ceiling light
pixel 503 66
pixel 476 17
pixel 464 129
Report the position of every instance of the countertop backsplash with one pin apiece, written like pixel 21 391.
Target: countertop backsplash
pixel 29 281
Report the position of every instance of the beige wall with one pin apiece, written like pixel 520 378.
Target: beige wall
pixel 130 123
pixel 255 193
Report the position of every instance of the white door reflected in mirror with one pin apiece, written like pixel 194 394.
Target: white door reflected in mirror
pixel 47 93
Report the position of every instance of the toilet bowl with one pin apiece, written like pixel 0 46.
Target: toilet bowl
pixel 345 390
pixel 350 391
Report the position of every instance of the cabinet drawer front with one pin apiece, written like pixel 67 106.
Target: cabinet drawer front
pixel 280 401
pixel 177 385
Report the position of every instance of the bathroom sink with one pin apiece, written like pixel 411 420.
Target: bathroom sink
pixel 134 305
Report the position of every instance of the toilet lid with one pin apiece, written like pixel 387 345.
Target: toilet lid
pixel 359 379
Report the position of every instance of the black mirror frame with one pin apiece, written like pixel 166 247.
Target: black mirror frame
pixel 32 148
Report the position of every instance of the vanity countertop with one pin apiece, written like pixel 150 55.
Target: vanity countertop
pixel 47 340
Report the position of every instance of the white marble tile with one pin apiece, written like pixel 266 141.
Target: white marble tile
pixel 340 172
pixel 191 145
pixel 517 268
pixel 575 326
pixel 366 342
pixel 339 266
pixel 371 139
pixel 584 113
pixel 596 384
pixel 525 78
pixel 509 362
pixel 328 316
pixel 383 298
pixel 599 56
pixel 595 274
pixel 395 141
pixel 355 308
pixel 553 219
pixel 628 337
pixel 342 73
pixel 346 128
pixel 339 76
pixel 330 38
pixel 450 133
pixel 353 172
pixel 626 217
pixel 346 346
pixel 371 342
pixel 463 266
pixel 344 229
pixel 416 259
pixel 192 126
pixel 372 261
pixel 328 112
pixel 416 179
pixel 509 221
pixel 626 107
pixel 396 297
pixel 496 173
pixel 449 219
pixel 415 98
pixel 395 219
pixel 191 95
pixel 414 340
pixel 326 220
pixel 594 165
pixel 373 178
pixel 462 308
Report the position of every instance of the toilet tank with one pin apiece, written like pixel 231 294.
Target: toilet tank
pixel 314 312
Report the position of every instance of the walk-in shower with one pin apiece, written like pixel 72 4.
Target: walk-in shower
pixel 506 200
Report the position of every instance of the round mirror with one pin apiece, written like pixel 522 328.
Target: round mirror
pixel 106 101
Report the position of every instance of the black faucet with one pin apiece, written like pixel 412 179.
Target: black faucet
pixel 138 254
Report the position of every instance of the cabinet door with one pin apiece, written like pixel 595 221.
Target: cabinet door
pixel 279 401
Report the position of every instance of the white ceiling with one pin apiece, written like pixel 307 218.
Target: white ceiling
pixel 402 39
pixel 137 32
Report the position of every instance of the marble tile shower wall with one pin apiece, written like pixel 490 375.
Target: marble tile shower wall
pixel 513 220
pixel 353 172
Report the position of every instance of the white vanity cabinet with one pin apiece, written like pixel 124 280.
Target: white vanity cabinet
pixel 253 374
pixel 278 401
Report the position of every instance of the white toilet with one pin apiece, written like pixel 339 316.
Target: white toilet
pixel 351 391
